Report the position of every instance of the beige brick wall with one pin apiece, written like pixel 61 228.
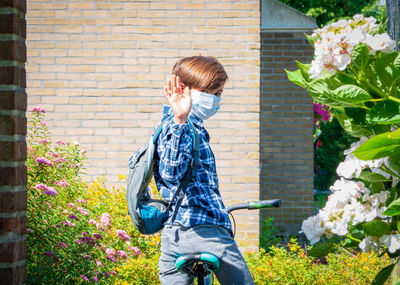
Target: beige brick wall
pixel 98 68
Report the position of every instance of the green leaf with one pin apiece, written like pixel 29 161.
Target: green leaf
pixel 380 73
pixel 304 69
pixel 372 177
pixel 394 162
pixel 351 94
pixel 385 112
pixel 360 56
pixel 296 77
pixel 310 39
pixel 357 116
pixel 392 195
pixel 321 249
pixel 396 63
pixel 377 187
pixel 394 135
pixel 376 228
pixel 379 146
pixel 349 127
pixel 393 87
pixel 393 209
pixel 318 89
pixel 383 275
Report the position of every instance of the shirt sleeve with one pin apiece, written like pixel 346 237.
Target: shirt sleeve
pixel 175 151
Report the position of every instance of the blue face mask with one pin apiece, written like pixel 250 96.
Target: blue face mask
pixel 204 105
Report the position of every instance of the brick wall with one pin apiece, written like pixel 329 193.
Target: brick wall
pixel 286 119
pixel 98 68
pixel 12 142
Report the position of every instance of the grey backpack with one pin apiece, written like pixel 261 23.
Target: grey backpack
pixel 149 215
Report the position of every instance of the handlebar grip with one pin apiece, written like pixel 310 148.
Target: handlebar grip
pixel 264 204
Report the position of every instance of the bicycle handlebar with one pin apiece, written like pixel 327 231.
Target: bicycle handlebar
pixel 256 205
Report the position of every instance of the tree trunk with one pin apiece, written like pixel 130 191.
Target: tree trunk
pixel 393 25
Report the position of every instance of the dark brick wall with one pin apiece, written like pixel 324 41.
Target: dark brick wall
pixel 286 131
pixel 13 175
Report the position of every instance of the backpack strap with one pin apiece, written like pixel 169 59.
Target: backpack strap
pixel 191 171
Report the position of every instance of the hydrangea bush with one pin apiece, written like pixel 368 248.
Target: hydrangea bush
pixel 356 73
pixel 71 236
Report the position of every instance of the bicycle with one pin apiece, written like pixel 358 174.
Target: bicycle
pixel 203 264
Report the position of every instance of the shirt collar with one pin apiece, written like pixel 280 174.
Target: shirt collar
pixel 167 111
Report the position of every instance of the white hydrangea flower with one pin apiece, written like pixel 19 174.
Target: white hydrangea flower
pixel 352 166
pixel 369 244
pixel 392 242
pixel 313 229
pixel 380 42
pixel 336 41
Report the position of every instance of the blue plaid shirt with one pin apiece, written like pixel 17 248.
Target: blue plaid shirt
pixel 202 203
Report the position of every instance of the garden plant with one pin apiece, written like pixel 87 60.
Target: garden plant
pixel 356 73
pixel 71 236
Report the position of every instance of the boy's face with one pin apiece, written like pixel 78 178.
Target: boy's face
pixel 217 92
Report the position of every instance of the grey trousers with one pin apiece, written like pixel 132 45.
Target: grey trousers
pixel 177 240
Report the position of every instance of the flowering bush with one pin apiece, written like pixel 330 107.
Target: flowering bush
pixel 356 73
pixel 292 265
pixel 74 234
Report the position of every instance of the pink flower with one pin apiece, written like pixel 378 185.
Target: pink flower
pixel 51 192
pixel 52 255
pixel 60 142
pixel 83 211
pixel 73 217
pixel 135 250
pixel 110 251
pixel 91 221
pixel 95 279
pixel 79 241
pixel 97 236
pixel 106 274
pixel 100 227
pixel 83 201
pixel 61 244
pixel 43 123
pixel 44 141
pixel 105 219
pixel 38 109
pixel 68 223
pixel 99 264
pixel 84 277
pixel 123 235
pixel 41 186
pixel 29 230
pixel 59 160
pixel 111 258
pixel 72 205
pixel 86 256
pixel 54 154
pixel 122 254
pixel 43 161
pixel 114 272
pixel 61 183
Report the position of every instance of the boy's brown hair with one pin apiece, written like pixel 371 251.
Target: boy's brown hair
pixel 200 72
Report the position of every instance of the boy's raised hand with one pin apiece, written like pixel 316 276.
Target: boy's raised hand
pixel 178 97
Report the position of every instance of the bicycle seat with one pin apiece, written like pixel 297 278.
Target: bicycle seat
pixel 200 264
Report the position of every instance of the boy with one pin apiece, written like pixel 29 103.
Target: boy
pixel 202 223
